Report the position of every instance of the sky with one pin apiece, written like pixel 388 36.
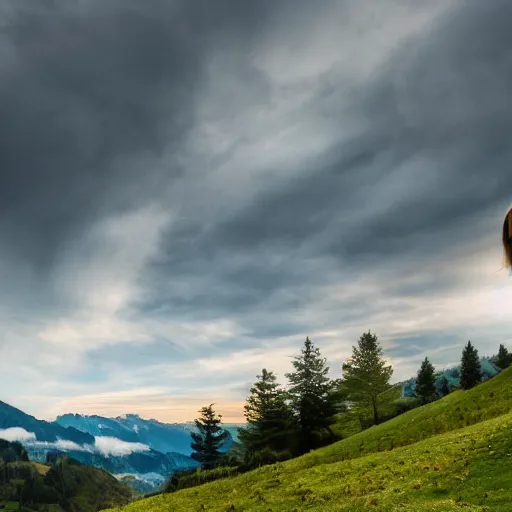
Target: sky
pixel 190 188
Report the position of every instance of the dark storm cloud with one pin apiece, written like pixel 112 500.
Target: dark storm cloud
pixel 432 159
pixel 303 189
pixel 92 94
pixel 440 107
pixel 455 103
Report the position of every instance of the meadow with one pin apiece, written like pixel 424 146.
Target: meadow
pixel 453 454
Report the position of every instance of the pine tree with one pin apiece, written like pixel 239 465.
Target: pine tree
pixel 366 375
pixel 209 438
pixel 311 396
pixel 504 358
pixel 444 387
pixel 470 372
pixel 425 388
pixel 269 417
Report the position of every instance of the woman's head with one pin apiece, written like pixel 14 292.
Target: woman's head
pixel 507 238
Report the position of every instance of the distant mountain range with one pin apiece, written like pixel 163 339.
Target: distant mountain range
pixel 131 428
pixel 10 417
pixel 129 445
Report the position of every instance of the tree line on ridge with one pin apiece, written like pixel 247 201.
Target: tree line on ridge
pixel 285 423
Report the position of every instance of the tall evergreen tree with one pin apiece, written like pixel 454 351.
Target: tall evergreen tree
pixel 366 375
pixel 425 388
pixel 444 386
pixel 311 397
pixel 504 358
pixel 269 417
pixel 470 371
pixel 209 438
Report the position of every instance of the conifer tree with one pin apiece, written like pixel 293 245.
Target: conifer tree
pixel 269 417
pixel 470 372
pixel 366 375
pixel 444 386
pixel 209 438
pixel 425 388
pixel 311 396
pixel 504 358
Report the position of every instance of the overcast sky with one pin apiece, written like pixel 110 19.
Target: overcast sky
pixel 190 188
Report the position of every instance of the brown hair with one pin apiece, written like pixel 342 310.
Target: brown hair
pixel 507 238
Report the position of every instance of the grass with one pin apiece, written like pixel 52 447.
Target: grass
pixel 13 506
pixel 198 477
pixel 457 469
pixel 347 425
pixel 10 505
pixel 41 468
pixel 457 410
pixel 391 404
pixel 450 455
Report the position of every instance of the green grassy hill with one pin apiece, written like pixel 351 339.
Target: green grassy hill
pixel 453 454
pixel 68 486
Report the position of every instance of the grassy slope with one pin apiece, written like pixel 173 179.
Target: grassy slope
pixel 457 410
pixel 349 423
pixel 435 464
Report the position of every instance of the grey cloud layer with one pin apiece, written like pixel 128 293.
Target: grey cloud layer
pixel 432 159
pixel 110 106
pixel 92 95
